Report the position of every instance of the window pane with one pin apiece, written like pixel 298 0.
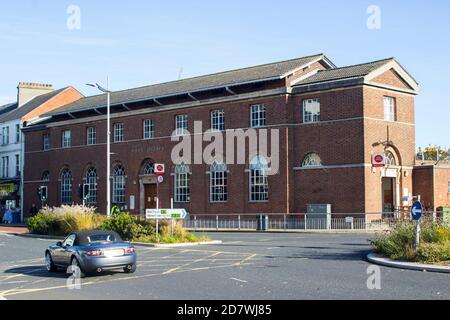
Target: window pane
pixel 258 116
pixel 389 109
pixel 311 110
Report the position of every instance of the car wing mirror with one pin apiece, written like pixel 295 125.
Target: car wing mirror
pixel 59 244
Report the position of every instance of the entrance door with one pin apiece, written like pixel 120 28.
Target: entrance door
pixel 387 194
pixel 150 196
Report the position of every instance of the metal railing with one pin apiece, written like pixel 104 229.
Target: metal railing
pixel 284 222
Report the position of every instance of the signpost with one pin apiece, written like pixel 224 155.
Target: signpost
pixel 416 213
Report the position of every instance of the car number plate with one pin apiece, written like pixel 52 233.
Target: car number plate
pixel 114 253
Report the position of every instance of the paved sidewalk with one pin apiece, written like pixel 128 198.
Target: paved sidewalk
pixel 13 229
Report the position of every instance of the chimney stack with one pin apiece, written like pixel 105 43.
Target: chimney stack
pixel 28 90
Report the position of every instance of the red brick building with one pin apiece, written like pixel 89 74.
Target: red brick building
pixel 331 122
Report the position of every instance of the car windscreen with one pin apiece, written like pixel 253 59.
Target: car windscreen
pixel 101 238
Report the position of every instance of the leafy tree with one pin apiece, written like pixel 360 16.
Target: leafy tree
pixel 430 153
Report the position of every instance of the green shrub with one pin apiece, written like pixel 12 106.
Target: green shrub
pixel 127 226
pixel 398 244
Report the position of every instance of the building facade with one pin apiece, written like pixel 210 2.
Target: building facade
pixel 330 122
pixel 33 100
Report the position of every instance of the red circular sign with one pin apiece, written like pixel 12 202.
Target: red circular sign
pixel 159 168
pixel 378 159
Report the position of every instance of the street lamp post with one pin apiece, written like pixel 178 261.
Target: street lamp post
pixel 108 143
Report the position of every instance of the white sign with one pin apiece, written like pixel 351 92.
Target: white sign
pixel 132 202
pixel 160 168
pixel 379 160
pixel 160 179
pixel 349 219
pixel 160 214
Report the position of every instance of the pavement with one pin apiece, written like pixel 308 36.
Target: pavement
pixel 245 266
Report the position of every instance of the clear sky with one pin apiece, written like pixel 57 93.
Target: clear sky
pixel 144 42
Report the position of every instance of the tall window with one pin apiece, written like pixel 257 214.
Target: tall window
pixel 312 160
pixel 218 182
pixel 46 142
pixel 149 129
pixel 91 180
pixel 119 185
pixel 182 190
pixel 257 116
pixel 5 167
pixel 91 136
pixel 118 132
pixel 17 165
pixel 149 169
pixel 218 120
pixel 66 139
pixel 259 182
pixel 66 186
pixel 181 124
pixel 311 110
pixel 17 133
pixel 389 109
pixel 5 136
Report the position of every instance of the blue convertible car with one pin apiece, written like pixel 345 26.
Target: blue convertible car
pixel 90 252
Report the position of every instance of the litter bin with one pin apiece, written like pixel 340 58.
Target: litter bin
pixel 262 222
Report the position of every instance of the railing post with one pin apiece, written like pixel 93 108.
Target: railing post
pixel 217 223
pixel 305 223
pixel 239 222
pixel 284 221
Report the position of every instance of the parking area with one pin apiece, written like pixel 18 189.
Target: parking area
pixel 246 266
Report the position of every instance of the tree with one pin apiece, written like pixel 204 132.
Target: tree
pixel 430 153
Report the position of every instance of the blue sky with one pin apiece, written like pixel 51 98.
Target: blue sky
pixel 143 42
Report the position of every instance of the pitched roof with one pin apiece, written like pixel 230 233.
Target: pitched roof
pixel 264 72
pixel 7 107
pixel 354 71
pixel 19 112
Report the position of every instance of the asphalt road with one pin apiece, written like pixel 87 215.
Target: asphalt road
pixel 246 266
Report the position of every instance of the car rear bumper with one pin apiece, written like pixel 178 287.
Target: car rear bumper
pixel 92 264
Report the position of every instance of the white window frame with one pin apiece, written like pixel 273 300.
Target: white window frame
pixel 17 165
pixel 5 167
pixel 218 182
pixel 257 116
pixel 5 137
pixel 311 160
pixel 118 132
pixel 182 190
pixel 66 140
pixel 149 129
pixel 311 116
pixel 258 180
pixel 66 186
pixel 389 104
pixel 218 120
pixel 46 142
pixel 119 184
pixel 181 124
pixel 91 179
pixel 17 133
pixel 91 136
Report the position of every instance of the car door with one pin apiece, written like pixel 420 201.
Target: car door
pixel 62 254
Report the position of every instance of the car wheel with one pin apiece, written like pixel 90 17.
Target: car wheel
pixel 50 266
pixel 76 268
pixel 130 270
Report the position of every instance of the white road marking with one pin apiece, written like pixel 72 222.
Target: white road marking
pixel 239 280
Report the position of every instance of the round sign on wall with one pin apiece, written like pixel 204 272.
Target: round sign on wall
pixel 160 179
pixel 378 160
pixel 160 169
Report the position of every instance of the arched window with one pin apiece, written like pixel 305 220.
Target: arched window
pixel 149 169
pixel 390 159
pixel 91 180
pixel 46 176
pixel 182 189
pixel 259 182
pixel 312 160
pixel 118 188
pixel 218 182
pixel 66 186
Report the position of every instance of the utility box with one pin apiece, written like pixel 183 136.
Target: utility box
pixel 318 217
